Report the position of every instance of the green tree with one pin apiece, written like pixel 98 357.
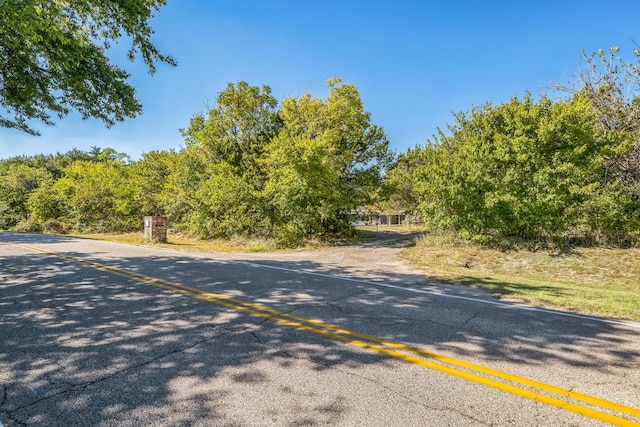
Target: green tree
pixel 304 187
pixel 45 203
pixel 237 129
pixel 252 169
pixel 399 190
pixel 182 186
pixel 227 204
pixel 53 58
pixel 17 182
pixel 26 187
pixel 218 186
pixel 327 160
pixel 212 199
pixel 526 169
pixel 612 86
pixel 151 177
pixel 97 197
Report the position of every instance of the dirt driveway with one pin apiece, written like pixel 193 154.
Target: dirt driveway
pixel 376 260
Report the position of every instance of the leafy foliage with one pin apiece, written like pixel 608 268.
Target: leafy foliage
pixel 399 187
pixel 237 129
pixel 326 161
pixel 525 169
pixel 151 178
pixel 612 86
pixel 17 183
pixel 289 173
pixel 97 196
pixel 52 58
pixel 219 184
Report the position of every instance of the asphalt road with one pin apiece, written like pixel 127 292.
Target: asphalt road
pixel 95 333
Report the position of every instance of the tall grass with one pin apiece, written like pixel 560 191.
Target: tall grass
pixel 591 280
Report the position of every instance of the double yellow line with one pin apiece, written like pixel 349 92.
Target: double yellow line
pixel 582 404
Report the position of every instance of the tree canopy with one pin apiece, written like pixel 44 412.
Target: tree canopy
pixel 531 168
pixel 288 172
pixel 612 85
pixel 250 167
pixel 535 169
pixel 53 59
pixel 327 160
pixel 527 169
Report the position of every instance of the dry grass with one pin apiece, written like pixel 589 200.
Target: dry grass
pixel 600 281
pixel 187 243
pixel 236 244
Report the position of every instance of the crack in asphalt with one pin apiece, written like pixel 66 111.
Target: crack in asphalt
pixel 473 316
pixel 11 417
pixel 3 396
pixel 337 307
pixel 128 368
pixel 405 397
pixel 371 380
pixel 56 382
pixel 257 338
pixel 10 413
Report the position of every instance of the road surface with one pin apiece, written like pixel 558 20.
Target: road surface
pixel 96 333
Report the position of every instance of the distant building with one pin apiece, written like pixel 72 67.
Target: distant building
pixel 376 217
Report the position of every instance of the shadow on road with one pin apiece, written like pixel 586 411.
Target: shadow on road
pixel 83 345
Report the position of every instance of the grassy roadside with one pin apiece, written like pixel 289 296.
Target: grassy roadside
pixel 190 244
pixel 598 281
pixel 184 243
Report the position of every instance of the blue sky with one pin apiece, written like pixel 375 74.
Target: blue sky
pixel 414 62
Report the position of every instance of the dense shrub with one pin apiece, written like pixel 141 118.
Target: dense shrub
pixel 526 169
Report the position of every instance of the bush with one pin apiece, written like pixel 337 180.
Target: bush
pixel 54 226
pixel 525 170
pixel 28 226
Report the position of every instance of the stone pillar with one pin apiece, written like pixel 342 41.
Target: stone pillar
pixel 155 228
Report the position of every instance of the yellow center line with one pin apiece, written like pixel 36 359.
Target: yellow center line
pixel 451 366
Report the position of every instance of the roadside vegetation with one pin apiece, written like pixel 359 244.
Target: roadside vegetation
pixel 187 243
pixel 566 171
pixel 590 280
pixel 536 199
pixel 251 169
